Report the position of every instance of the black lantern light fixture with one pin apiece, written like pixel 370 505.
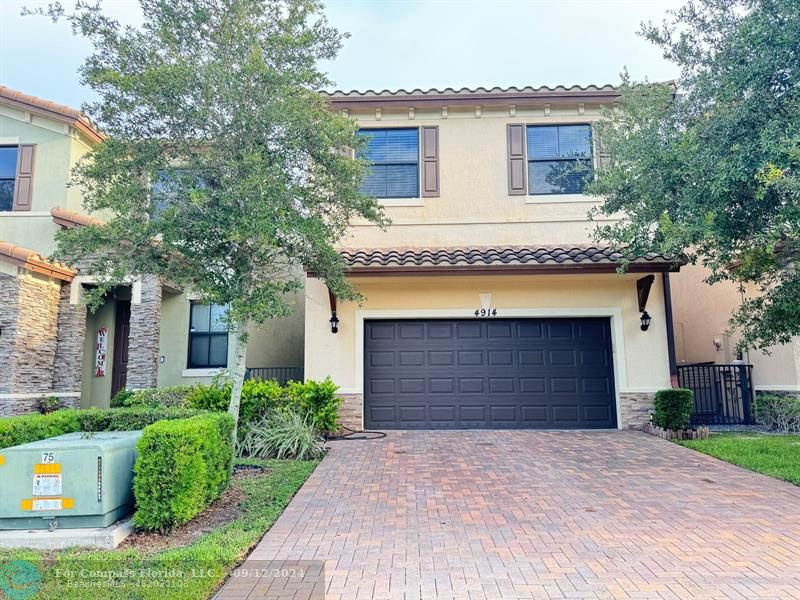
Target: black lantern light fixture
pixel 645 320
pixel 334 321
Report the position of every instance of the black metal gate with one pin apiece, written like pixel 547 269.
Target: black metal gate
pixel 723 394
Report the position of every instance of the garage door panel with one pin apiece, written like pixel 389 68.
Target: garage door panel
pixel 566 414
pixel 522 373
pixel 441 385
pixel 411 331
pixel 470 358
pixel 470 385
pixel 476 415
pixel 469 330
pixel 411 386
pixel 501 385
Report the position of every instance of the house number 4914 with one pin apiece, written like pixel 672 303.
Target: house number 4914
pixel 486 312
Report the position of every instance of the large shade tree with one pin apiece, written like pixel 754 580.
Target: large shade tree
pixel 222 170
pixel 710 166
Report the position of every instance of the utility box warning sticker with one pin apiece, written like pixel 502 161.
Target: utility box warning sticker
pixel 47 484
pixel 47 504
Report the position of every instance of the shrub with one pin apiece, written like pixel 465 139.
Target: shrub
pixel 778 413
pixel 164 397
pixel 673 408
pixel 183 466
pixel 121 398
pixel 318 401
pixel 49 404
pixel 215 397
pixel 283 434
pixel 32 428
pixel 261 397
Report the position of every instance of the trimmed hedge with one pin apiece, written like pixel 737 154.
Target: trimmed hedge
pixel 32 428
pixel 183 466
pixel 175 396
pixel 673 408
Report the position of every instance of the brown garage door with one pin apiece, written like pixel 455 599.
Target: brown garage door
pixel 503 373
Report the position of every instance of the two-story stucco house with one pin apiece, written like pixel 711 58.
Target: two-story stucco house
pixel 487 304
pixel 146 334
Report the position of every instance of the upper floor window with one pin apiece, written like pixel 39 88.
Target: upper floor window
pixel 208 336
pixel 168 185
pixel 8 176
pixel 394 154
pixel 559 158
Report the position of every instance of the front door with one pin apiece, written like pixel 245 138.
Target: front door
pixel 122 329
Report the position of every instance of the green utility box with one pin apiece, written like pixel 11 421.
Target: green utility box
pixel 73 480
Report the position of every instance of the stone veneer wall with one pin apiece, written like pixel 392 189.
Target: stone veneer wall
pixel 635 409
pixel 69 349
pixel 145 331
pixel 29 310
pixel 9 309
pixel 351 412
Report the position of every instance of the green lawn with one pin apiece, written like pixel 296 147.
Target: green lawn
pixel 774 455
pixel 191 572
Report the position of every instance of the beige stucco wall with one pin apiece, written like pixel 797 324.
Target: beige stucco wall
pixel 277 343
pixel 641 362
pixel 96 391
pixel 701 314
pixel 58 148
pixel 474 207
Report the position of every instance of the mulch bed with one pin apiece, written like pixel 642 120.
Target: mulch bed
pixel 226 508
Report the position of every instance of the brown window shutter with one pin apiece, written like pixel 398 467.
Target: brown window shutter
pixel 602 155
pixel 23 186
pixel 430 162
pixel 516 159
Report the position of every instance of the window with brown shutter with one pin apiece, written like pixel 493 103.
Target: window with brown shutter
pixel 16 177
pixel 515 134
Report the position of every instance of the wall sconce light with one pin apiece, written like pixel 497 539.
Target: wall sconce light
pixel 334 321
pixel 645 320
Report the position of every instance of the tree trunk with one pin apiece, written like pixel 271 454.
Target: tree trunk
pixel 237 374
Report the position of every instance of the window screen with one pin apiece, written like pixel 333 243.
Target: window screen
pixel 208 336
pixel 559 158
pixel 8 175
pixel 394 154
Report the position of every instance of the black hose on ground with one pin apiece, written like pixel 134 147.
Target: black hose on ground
pixel 352 433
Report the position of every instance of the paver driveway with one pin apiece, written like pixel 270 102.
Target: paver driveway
pixel 523 514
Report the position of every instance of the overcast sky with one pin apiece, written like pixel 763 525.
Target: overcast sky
pixel 400 44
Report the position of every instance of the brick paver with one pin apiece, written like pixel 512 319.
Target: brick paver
pixel 522 514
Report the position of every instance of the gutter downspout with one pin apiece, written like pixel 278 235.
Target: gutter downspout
pixel 673 366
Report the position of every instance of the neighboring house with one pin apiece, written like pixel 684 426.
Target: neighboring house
pixel 146 334
pixel 486 303
pixel 702 313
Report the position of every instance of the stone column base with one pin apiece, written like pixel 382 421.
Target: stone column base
pixel 635 409
pixel 351 412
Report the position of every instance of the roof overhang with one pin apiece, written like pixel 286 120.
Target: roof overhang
pixel 526 96
pixel 508 260
pixel 31 260
pixel 46 108
pixel 70 219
